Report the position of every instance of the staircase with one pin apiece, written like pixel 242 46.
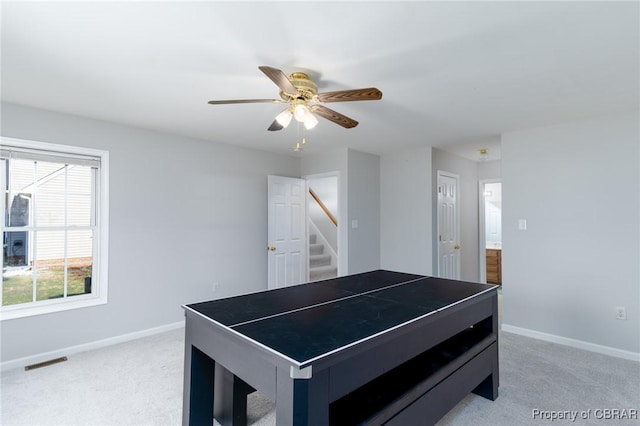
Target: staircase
pixel 320 267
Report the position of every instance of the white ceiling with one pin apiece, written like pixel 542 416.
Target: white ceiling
pixel 453 73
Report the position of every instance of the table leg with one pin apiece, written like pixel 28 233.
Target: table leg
pixel 488 388
pixel 198 388
pixel 302 401
pixel 230 403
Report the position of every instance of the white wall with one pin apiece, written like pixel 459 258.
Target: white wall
pixel 184 214
pixel 406 212
pixel 577 185
pixel 467 170
pixel 489 169
pixel 364 207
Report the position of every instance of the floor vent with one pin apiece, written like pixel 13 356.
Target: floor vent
pixel 45 363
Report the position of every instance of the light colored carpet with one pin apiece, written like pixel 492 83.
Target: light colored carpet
pixel 140 383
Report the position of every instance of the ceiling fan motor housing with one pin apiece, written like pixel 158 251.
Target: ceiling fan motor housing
pixel 306 88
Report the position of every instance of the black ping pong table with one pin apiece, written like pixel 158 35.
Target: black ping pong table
pixel 375 348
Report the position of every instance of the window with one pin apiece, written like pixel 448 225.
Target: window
pixel 54 227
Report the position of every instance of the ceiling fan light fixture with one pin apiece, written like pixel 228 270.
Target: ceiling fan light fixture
pixel 284 118
pixel 300 112
pixel 310 121
pixel 483 154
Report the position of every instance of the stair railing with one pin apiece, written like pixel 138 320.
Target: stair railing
pixel 324 208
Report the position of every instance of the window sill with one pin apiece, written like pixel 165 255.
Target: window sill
pixel 48 307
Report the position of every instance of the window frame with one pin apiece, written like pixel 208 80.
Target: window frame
pixel 99 282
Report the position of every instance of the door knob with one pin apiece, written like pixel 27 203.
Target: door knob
pixel 271 248
pixel 456 247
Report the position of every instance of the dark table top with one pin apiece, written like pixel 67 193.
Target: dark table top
pixel 311 320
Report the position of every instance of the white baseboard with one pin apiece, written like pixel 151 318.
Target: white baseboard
pixel 45 356
pixel 593 347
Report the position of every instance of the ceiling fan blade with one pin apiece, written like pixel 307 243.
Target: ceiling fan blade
pixel 247 101
pixel 280 79
pixel 275 126
pixel 334 116
pixel 368 94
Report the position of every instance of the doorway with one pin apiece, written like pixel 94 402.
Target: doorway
pixel 322 226
pixel 302 229
pixel 490 231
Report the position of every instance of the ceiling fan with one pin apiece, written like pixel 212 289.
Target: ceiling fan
pixel 304 100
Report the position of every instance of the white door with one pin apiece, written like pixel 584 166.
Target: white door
pixel 286 236
pixel 448 226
